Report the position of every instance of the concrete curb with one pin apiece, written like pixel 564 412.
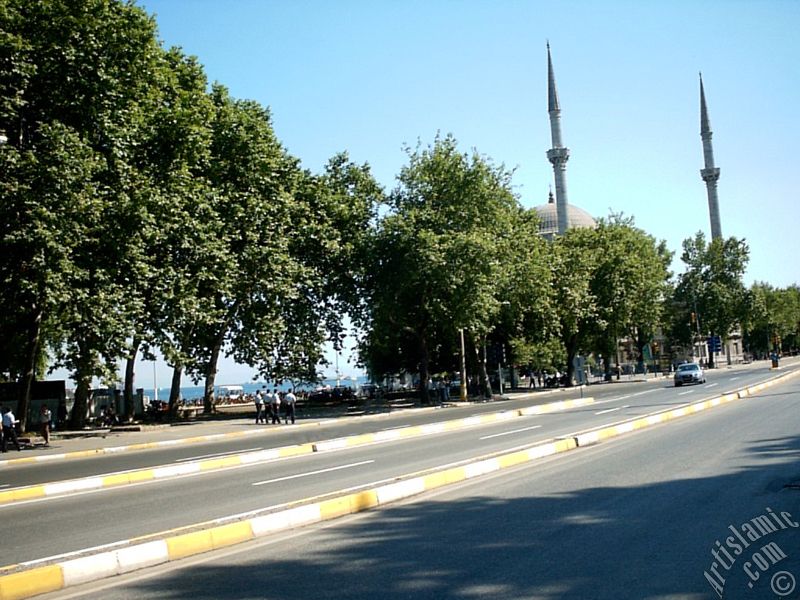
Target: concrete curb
pixel 139 476
pixel 248 458
pixel 85 569
pixel 134 447
pixel 49 578
pixel 419 430
pixel 13 462
pixel 594 436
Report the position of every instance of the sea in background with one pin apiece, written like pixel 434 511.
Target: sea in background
pixel 195 392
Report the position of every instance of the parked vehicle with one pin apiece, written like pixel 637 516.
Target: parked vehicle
pixel 689 373
pixel 231 394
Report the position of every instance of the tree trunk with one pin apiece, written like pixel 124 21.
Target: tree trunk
pixel 31 359
pixel 486 388
pixel 640 344
pixel 211 373
pixel 572 350
pixel 711 360
pixel 424 375
pixel 608 351
pixel 130 369
pixel 175 390
pixel 77 418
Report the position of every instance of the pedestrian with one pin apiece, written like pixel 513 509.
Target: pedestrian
pixel 9 429
pixel 260 408
pixel 45 416
pixel 289 400
pixel 275 405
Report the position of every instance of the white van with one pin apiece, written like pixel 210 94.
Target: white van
pixel 230 393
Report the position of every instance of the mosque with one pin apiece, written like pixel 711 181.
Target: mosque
pixel 558 214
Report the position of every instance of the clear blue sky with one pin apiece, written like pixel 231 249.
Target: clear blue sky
pixel 372 76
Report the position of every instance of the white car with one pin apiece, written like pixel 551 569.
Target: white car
pixel 689 373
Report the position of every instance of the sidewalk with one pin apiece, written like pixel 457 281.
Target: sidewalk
pixel 233 421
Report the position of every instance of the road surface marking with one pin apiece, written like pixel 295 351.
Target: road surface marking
pixel 686 392
pixel 488 437
pixel 608 410
pixel 644 392
pixel 734 378
pixel 310 473
pixel 218 454
pixel 711 385
pixel 613 399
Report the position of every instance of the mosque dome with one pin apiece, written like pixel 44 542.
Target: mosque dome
pixel 548 219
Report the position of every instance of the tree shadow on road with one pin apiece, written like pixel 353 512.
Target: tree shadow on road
pixel 652 540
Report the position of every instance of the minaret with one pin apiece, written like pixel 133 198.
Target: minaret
pixel 711 173
pixel 558 154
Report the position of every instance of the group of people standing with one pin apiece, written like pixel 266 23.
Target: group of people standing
pixel 270 405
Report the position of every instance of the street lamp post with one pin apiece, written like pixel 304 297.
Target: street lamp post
pixel 463 390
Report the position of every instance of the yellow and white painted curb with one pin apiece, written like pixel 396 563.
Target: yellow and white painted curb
pixel 133 555
pixel 248 458
pixel 140 553
pixel 137 447
pixel 455 424
pixel 141 475
pixel 550 407
pixel 594 436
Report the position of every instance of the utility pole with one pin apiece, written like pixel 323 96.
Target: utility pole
pixel 463 390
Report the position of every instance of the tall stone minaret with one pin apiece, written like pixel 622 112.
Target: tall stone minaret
pixel 558 154
pixel 711 173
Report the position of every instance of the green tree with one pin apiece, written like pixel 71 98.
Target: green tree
pixel 629 282
pixel 528 323
pixel 176 223
pixel 438 257
pixel 74 88
pixel 253 181
pixel 773 322
pixel 573 265
pixel 712 285
pixel 333 216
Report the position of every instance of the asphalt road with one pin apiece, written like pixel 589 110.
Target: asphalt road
pixel 86 520
pixel 618 400
pixel 634 517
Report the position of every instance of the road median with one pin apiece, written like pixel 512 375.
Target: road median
pixel 160 548
pixel 248 458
